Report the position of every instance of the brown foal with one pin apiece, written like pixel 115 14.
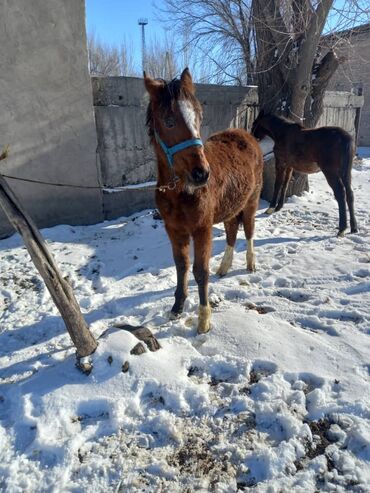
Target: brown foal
pixel 329 149
pixel 200 184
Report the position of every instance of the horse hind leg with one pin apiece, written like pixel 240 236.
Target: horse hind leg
pixel 340 195
pixel 350 203
pixel 231 228
pixel 287 177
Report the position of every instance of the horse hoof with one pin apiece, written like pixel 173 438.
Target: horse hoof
pixel 203 329
pixel 174 315
pixel 354 230
pixel 227 261
pixel 270 210
pixel 221 272
pixel 341 233
pixel 251 269
pixel 204 320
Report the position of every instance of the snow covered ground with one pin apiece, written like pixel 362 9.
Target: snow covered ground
pixel 275 398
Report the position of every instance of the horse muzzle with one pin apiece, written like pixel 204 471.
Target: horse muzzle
pixel 199 177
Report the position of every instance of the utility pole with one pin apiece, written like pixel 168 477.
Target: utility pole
pixel 143 22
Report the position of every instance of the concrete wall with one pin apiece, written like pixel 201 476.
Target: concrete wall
pixel 120 108
pixel 46 110
pixel 127 157
pixel 354 74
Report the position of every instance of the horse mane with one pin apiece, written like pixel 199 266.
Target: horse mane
pixel 285 120
pixel 171 91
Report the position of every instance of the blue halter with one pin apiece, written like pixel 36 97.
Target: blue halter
pixel 170 151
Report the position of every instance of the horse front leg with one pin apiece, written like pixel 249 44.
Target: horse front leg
pixel 231 228
pixel 202 252
pixel 180 248
pixel 279 178
pixel 287 177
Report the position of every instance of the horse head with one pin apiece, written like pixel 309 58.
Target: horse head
pixel 260 125
pixel 174 117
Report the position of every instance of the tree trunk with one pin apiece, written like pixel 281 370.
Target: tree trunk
pixel 291 81
pixel 59 288
pixel 322 73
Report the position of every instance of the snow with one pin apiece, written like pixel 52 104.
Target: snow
pixel 131 187
pixel 275 398
pixel 267 145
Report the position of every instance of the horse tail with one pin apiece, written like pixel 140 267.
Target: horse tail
pixel 347 158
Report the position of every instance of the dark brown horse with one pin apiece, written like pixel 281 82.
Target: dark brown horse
pixel 329 149
pixel 200 184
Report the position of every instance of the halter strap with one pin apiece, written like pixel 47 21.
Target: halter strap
pixel 170 151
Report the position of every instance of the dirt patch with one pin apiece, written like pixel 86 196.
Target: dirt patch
pixel 262 310
pixel 319 430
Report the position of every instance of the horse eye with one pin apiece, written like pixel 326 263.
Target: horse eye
pixel 169 122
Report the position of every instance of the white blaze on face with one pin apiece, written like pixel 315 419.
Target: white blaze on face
pixel 189 115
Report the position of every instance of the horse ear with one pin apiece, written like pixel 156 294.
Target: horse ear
pixel 152 86
pixel 187 81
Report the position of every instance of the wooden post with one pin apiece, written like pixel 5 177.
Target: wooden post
pixel 59 288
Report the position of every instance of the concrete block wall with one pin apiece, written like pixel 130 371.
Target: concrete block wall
pixel 120 109
pixel 126 154
pixel 46 113
pixel 127 157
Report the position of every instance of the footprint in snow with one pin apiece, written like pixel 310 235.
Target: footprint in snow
pixel 358 239
pixel 307 382
pixel 365 259
pixel 314 324
pixel 362 273
pixel 282 282
pixel 359 288
pixel 261 369
pixel 293 295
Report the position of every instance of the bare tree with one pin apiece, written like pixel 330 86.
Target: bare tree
pixel 161 57
pixel 274 43
pixel 108 60
pixel 292 77
pixel 219 31
pixel 167 56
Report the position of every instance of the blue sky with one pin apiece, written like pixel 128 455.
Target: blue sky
pixel 116 20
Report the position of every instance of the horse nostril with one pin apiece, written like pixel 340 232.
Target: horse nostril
pixel 199 175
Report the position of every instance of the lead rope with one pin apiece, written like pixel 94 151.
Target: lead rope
pixel 163 188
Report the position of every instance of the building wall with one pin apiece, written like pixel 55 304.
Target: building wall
pixel 46 111
pixel 355 73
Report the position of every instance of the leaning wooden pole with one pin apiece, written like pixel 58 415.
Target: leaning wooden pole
pixel 59 288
